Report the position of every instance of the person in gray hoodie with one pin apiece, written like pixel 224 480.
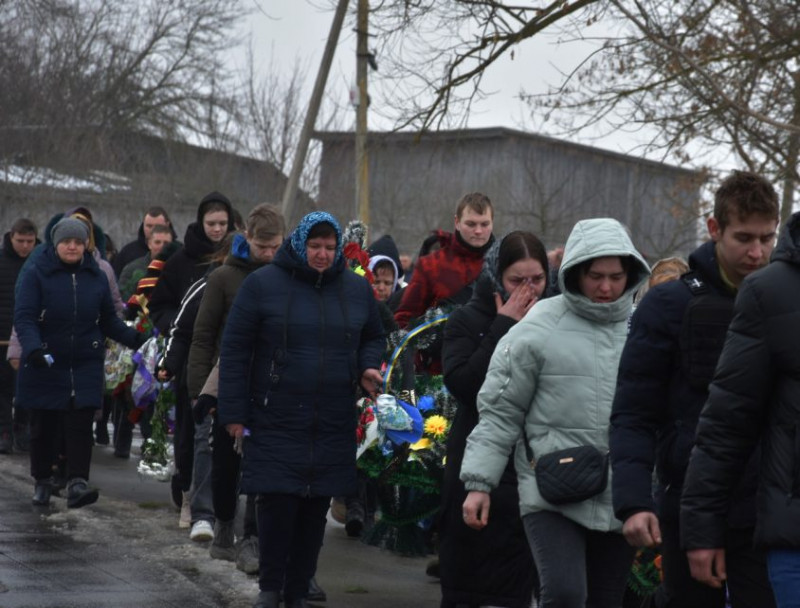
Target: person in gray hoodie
pixel 550 386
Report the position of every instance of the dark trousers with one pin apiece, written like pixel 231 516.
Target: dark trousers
pixel 11 419
pixel 225 468
pixel 52 429
pixel 183 438
pixel 577 566
pixel 290 533
pixel 748 581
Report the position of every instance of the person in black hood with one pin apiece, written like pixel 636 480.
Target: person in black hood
pixel 202 238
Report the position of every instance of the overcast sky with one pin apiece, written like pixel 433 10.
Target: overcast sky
pixel 299 28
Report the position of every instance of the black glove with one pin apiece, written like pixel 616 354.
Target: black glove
pixel 37 359
pixel 202 407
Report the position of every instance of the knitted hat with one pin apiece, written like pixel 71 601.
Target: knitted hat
pixel 69 228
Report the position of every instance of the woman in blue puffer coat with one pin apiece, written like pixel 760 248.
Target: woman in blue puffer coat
pixel 302 334
pixel 63 313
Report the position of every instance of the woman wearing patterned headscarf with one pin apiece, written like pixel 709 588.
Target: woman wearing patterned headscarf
pixel 302 334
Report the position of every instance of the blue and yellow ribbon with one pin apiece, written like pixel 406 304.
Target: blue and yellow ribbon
pixel 409 336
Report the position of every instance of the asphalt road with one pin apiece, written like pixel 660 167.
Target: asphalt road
pixel 127 550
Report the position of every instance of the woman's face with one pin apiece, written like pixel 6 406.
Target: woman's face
pixel 321 252
pixel 215 225
pixel 605 280
pixel 70 251
pixel 528 270
pixel 383 283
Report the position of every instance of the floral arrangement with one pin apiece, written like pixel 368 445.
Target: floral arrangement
pixel 402 439
pixel 130 374
pixel 354 239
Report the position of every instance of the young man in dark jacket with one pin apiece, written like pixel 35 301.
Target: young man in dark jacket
pixel 675 340
pixel 754 399
pixel 17 245
pixel 155 216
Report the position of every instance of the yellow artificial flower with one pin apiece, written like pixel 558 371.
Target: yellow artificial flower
pixel 422 444
pixel 436 426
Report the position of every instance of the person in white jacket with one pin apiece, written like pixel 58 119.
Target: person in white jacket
pixel 551 384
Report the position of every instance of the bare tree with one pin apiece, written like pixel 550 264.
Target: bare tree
pixel 118 65
pixel 703 76
pixel 270 112
pixel 434 53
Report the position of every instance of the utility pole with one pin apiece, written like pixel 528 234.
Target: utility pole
pixel 362 58
pixel 290 192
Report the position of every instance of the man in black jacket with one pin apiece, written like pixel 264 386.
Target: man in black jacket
pixel 138 248
pixel 17 246
pixel 669 359
pixel 754 399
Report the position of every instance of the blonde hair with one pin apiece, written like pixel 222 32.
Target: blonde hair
pixel 666 269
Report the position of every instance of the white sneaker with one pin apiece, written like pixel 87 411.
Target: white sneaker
pixel 202 531
pixel 185 520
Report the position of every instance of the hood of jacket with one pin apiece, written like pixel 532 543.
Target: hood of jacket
pixel 787 248
pixel 215 197
pixel 292 254
pixel 597 238
pixel 240 255
pixel 373 261
pixel 387 248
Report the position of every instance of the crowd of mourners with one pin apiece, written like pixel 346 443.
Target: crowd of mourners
pixel 605 408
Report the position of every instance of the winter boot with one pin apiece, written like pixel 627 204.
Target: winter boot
pixel 267 599
pixel 247 555
pixel 79 494
pixel 42 491
pixel 223 546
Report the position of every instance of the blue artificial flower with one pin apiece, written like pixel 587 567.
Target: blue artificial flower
pixel 426 403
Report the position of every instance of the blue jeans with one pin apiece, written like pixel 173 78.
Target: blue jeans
pixel 202 496
pixel 784 574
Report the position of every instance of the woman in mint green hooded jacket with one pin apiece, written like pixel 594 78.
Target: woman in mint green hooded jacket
pixel 551 382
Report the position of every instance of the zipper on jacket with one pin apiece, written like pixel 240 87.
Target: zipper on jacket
pixel 72 333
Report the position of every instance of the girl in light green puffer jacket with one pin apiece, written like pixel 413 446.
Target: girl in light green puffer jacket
pixel 551 382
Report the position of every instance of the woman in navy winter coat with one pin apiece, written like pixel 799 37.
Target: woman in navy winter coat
pixel 63 313
pixel 302 334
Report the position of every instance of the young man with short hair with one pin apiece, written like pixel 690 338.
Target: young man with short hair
pixel 17 246
pixel 675 340
pixel 160 235
pixel 442 274
pixel 753 401
pixel 154 216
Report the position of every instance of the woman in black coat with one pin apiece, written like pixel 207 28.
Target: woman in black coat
pixel 303 333
pixel 492 567
pixel 203 238
pixel 63 313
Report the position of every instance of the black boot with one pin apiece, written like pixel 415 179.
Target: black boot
pixel 42 491
pixel 298 603
pixel 267 599
pixel 79 494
